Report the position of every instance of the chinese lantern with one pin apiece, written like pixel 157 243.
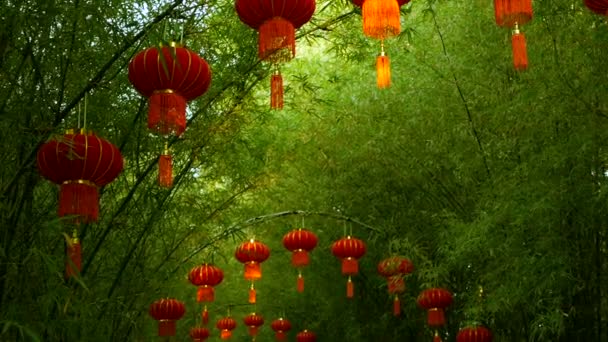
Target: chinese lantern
pixel 306 336
pixel 598 6
pixel 205 276
pixel 169 76
pixel 253 322
pixel 226 325
pixel 474 334
pixel 394 269
pixel 513 14
pixel 281 326
pixel 276 22
pixel 166 311
pixel 349 250
pixel 435 300
pixel 199 334
pixel 252 253
pixel 300 242
pixel 80 163
pixel 381 20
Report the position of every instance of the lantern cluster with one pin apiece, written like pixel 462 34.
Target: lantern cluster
pixel 514 14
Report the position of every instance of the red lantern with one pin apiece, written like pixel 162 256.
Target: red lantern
pixel 394 269
pixel 80 163
pixel 513 14
pixel 306 336
pixel 253 322
pixel 166 311
pixel 252 253
pixel 276 21
pixel 169 76
pixel 598 6
pixel 474 334
pixel 349 250
pixel 226 325
pixel 205 276
pixel 281 326
pixel 435 300
pixel 199 334
pixel 300 242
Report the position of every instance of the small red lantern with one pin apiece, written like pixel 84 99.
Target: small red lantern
pixel 199 334
pixel 474 334
pixel 205 276
pixel 598 6
pixel 306 336
pixel 394 269
pixel 252 253
pixel 349 250
pixel 276 21
pixel 513 14
pixel 435 300
pixel 281 326
pixel 166 311
pixel 169 76
pixel 300 242
pixel 226 325
pixel 80 163
pixel 253 322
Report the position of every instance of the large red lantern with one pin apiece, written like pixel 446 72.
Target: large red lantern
pixel 80 163
pixel 281 326
pixel 394 269
pixel 435 300
pixel 598 6
pixel 513 14
pixel 276 22
pixel 306 336
pixel 349 250
pixel 199 334
pixel 300 242
pixel 474 334
pixel 166 311
pixel 252 253
pixel 169 76
pixel 226 325
pixel 253 322
pixel 205 276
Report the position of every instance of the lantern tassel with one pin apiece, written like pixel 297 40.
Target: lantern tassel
pixel 225 334
pixel 383 70
pixel 165 169
pixel 300 283
pixel 280 336
pixel 253 271
pixel 350 288
pixel 436 317
pixel 205 294
pixel 276 90
pixel 300 258
pixel 520 54
pixel 252 294
pixel 166 328
pixel 79 198
pixel 73 262
pixel 253 331
pixel 277 40
pixel 167 113
pixel 205 315
pixel 396 307
pixel 381 18
pixel 350 266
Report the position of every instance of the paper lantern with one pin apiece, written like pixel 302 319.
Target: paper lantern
pixel 226 325
pixel 80 163
pixel 394 269
pixel 349 250
pixel 306 336
pixel 474 334
pixel 276 22
pixel 253 321
pixel 281 326
pixel 598 6
pixel 252 253
pixel 300 242
pixel 205 276
pixel 199 334
pixel 166 311
pixel 514 14
pixel 169 76
pixel 435 300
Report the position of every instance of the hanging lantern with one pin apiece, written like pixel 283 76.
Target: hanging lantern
pixel 166 311
pixel 474 334
pixel 435 300
pixel 205 276
pixel 349 250
pixel 281 326
pixel 306 336
pixel 300 242
pixel 276 22
pixel 598 6
pixel 199 334
pixel 226 325
pixel 253 322
pixel 394 269
pixel 514 14
pixel 252 253
pixel 80 163
pixel 169 76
